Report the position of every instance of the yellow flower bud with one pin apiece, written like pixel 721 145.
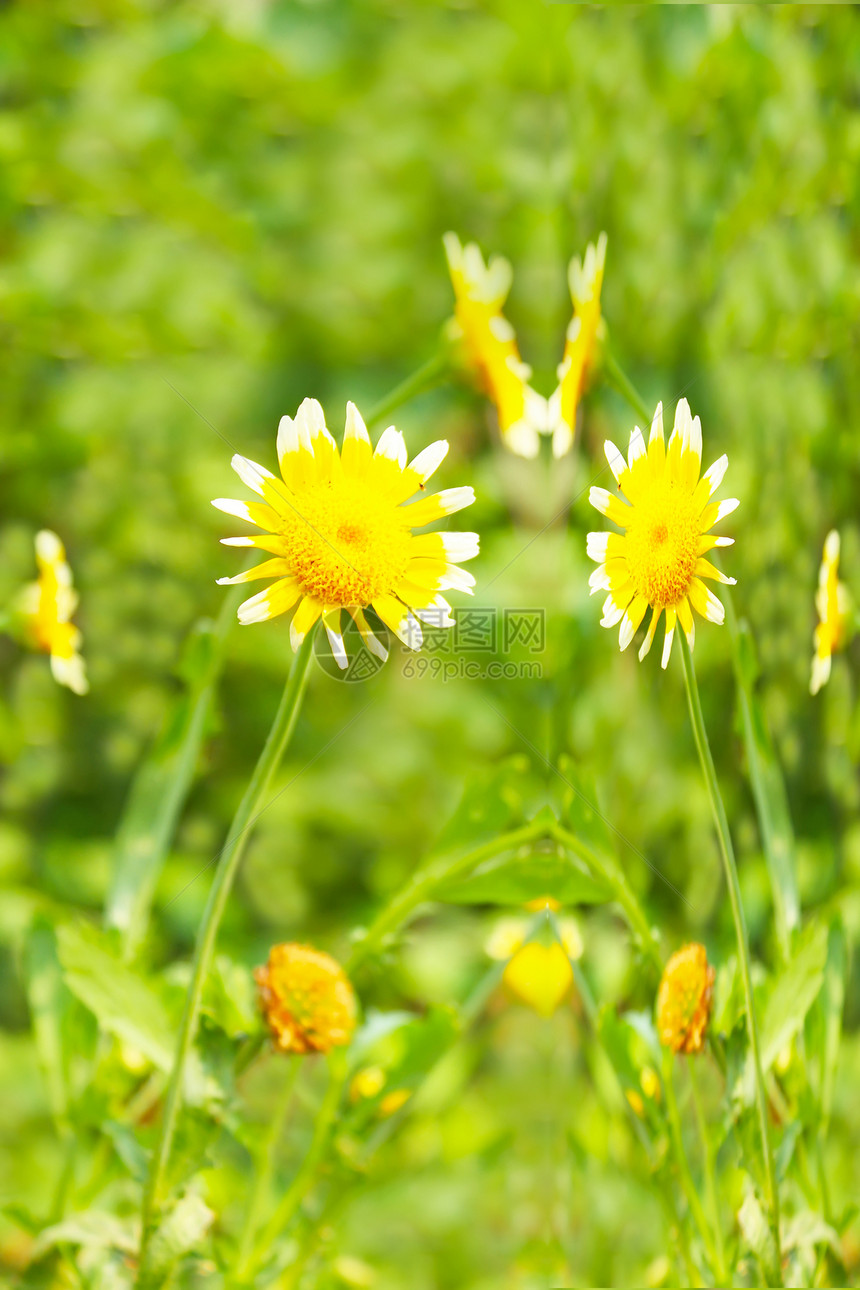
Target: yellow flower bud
pixel 540 975
pixel 684 1000
pixel 307 1000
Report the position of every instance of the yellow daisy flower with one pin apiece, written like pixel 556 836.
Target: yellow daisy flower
pixel 833 604
pixel 47 606
pixel 585 331
pixel 490 344
pixel 684 1000
pixel 306 999
pixel 340 532
pixel 660 558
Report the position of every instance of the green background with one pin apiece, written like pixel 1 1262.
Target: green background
pixel 212 210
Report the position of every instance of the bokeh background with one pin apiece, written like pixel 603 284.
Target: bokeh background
pixel 212 210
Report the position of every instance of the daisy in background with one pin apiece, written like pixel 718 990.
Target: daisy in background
pixel 834 607
pixel 585 333
pixel 46 607
pixel 489 344
pixel 659 559
pixel 339 529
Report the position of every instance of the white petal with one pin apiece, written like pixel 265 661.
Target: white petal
pixel 49 548
pixel 450 500
pixel 460 546
pixel 596 546
pixel 657 424
pixel 726 508
pixel 715 612
pixel 695 437
pixel 599 581
pixel 392 446
pixel 637 447
pixel 714 474
pixel 255 609
pixel 612 612
pixel 230 507
pixel 617 465
pixel 237 541
pixel 501 328
pixel 250 473
pixel 600 499
pixel 355 427
pixel 456 579
pixel 667 647
pixel 338 648
pixel 683 420
pixel 310 418
pixel 288 437
pixel 429 459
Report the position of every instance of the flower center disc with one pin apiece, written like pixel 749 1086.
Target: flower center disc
pixel 662 544
pixel 346 546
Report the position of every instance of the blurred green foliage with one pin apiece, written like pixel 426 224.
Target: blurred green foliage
pixel 211 210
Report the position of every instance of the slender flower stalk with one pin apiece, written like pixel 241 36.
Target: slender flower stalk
pixel 424 378
pixel 732 882
pixel 687 1184
pixel 306 1177
pixel 252 803
pixel 264 1167
pixel 720 1267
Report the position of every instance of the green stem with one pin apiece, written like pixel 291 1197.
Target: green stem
pixel 768 785
pixel 307 1174
pixel 619 380
pixel 710 1179
pixel 624 893
pixel 421 886
pixel 264 1168
pixel 732 882
pixel 687 1185
pixel 253 801
pixel 425 378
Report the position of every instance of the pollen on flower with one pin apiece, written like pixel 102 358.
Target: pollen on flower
pixel 663 544
pixel 345 549
pixel 684 1000
pixel 306 999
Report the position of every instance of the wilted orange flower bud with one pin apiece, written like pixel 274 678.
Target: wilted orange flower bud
pixel 306 999
pixel 684 1000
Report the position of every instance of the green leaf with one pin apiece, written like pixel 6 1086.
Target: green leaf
pixel 493 803
pixel 162 784
pixel 789 1001
pixel 93 1229
pixel 768 785
pixel 516 879
pixel 758 1235
pixel 124 1004
pixel 177 1235
pixel 831 1003
pixel 50 1002
pixel 579 810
